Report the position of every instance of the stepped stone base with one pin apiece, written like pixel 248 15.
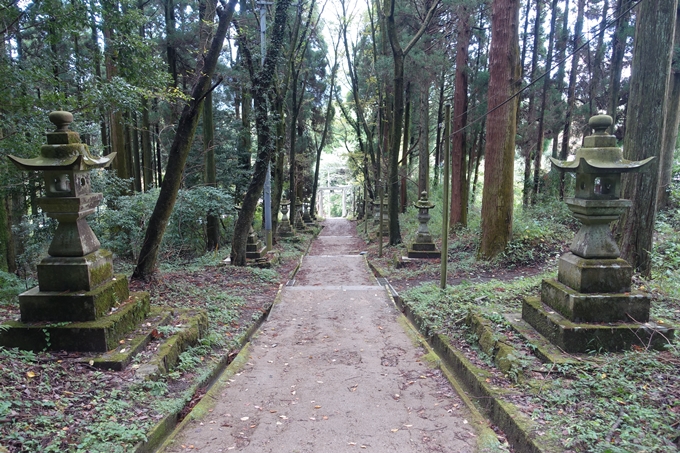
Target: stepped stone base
pixel 423 250
pixel 52 306
pixel 101 335
pixel 255 251
pixel 581 337
pixel 595 307
pixel 594 275
pixel 166 350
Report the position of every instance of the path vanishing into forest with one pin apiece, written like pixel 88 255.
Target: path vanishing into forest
pixel 333 369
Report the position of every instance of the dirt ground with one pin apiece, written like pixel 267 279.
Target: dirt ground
pixel 333 369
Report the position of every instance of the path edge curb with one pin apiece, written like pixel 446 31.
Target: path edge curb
pixel 519 429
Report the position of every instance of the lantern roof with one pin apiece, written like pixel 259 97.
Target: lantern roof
pixel 600 155
pixel 63 150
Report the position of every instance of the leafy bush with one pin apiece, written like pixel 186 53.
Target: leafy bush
pixel 122 229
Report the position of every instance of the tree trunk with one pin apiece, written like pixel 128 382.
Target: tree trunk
pixel 571 90
pixel 528 151
pixel 266 142
pixel 424 143
pixel 645 125
pixel 324 134
pixel 398 55
pixel 181 145
pixel 544 97
pixel 460 106
pixel 596 66
pixel 618 51
pixel 404 149
pixel 672 126
pixel 207 14
pixel 147 151
pixel 504 78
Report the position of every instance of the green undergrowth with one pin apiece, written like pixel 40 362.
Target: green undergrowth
pixel 442 310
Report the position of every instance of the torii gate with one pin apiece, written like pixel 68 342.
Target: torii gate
pixel 344 189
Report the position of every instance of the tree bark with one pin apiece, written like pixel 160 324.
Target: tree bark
pixel 645 125
pixel 212 242
pixel 544 99
pixel 571 90
pixel 460 106
pixel 672 126
pixel 181 144
pixel 618 51
pixel 424 142
pixel 504 73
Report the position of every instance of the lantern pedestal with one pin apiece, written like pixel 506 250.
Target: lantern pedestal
pixel 590 306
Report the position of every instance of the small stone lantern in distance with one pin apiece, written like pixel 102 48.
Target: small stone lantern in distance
pixel 424 246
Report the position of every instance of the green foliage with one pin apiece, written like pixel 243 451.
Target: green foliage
pixel 122 227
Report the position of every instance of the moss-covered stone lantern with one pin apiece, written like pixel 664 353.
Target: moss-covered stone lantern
pixel 284 229
pixel 423 247
pixel 590 306
pixel 79 304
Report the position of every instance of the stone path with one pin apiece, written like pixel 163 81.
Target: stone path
pixel 333 370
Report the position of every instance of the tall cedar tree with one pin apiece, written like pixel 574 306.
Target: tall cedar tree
pixel 501 124
pixel 460 106
pixel 266 139
pixel 645 124
pixel 181 144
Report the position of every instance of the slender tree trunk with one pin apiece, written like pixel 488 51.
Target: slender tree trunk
pixel 504 73
pixel 597 59
pixel 571 90
pixel 672 126
pixel 170 50
pixel 266 142
pixel 398 54
pixel 324 134
pixel 404 148
pixel 544 100
pixel 440 119
pixel 460 106
pixel 147 151
pixel 528 151
pixel 618 51
pixel 424 143
pixel 181 145
pixel 645 125
pixel 207 14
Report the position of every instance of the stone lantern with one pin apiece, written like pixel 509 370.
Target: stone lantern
pixel 424 246
pixel 76 285
pixel 590 306
pixel 284 229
